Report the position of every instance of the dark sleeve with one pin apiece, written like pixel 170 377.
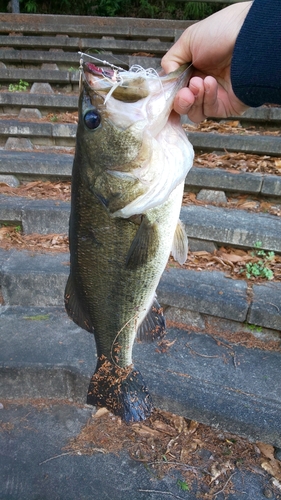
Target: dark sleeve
pixel 256 61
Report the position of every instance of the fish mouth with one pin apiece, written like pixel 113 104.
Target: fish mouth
pixel 136 83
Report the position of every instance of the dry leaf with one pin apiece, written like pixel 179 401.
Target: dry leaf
pixel 249 204
pixel 144 431
pixel 193 426
pixel 234 258
pixel 267 450
pixel 267 467
pixel 234 123
pixel 277 484
pixel 100 412
pixel 163 427
pixel 201 253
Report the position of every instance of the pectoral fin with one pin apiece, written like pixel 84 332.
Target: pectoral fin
pixel 74 309
pixel 144 245
pixel 153 325
pixel 180 244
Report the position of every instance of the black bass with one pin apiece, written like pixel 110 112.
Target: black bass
pixel 131 160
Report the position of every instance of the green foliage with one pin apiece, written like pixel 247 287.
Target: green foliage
pixel 260 269
pixel 254 328
pixel 197 10
pixel 30 6
pixel 147 9
pixel 182 485
pixel 108 8
pixel 83 7
pixel 18 87
pixel 172 9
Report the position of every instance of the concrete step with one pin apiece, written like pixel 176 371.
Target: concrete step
pixel 75 44
pixel 219 225
pixel 233 388
pixel 242 182
pixel 17 100
pixel 39 164
pixel 35 216
pixel 201 141
pixel 269 116
pixel 256 144
pixel 35 279
pixel 52 76
pixel 92 26
pixel 232 227
pixel 40 133
pixel 36 164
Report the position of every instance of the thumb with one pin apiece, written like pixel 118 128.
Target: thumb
pixel 178 54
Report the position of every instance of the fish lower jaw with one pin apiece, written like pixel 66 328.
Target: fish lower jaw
pixel 121 390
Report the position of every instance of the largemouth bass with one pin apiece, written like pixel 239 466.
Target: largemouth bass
pixel 130 163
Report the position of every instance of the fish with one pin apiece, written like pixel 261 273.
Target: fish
pixel 130 163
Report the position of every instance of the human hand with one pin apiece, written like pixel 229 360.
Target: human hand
pixel 208 45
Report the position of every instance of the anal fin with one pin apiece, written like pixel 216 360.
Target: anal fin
pixel 153 326
pixel 74 309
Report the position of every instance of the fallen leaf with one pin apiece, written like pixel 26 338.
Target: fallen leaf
pixel 277 484
pixel 249 204
pixel 267 450
pixel 163 427
pixel 100 412
pixel 232 257
pixel 144 431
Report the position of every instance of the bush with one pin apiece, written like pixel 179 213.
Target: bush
pixel 173 9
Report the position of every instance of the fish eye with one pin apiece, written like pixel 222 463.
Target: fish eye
pixel 92 119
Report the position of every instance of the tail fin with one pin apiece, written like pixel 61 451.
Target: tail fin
pixel 120 390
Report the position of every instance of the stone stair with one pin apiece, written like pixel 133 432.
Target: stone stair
pixel 202 302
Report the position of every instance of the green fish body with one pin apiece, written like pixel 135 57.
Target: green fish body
pixel 130 163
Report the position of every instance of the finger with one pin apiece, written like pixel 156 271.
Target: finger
pixel 211 104
pixel 183 101
pixel 196 111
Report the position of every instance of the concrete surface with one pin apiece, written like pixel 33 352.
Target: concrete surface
pixel 45 354
pixel 34 466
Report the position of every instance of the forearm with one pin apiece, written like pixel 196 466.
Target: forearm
pixel 256 61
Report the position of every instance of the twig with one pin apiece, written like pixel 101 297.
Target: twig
pixel 57 456
pixel 198 354
pixel 234 359
pixel 222 490
pixel 162 493
pixel 179 464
